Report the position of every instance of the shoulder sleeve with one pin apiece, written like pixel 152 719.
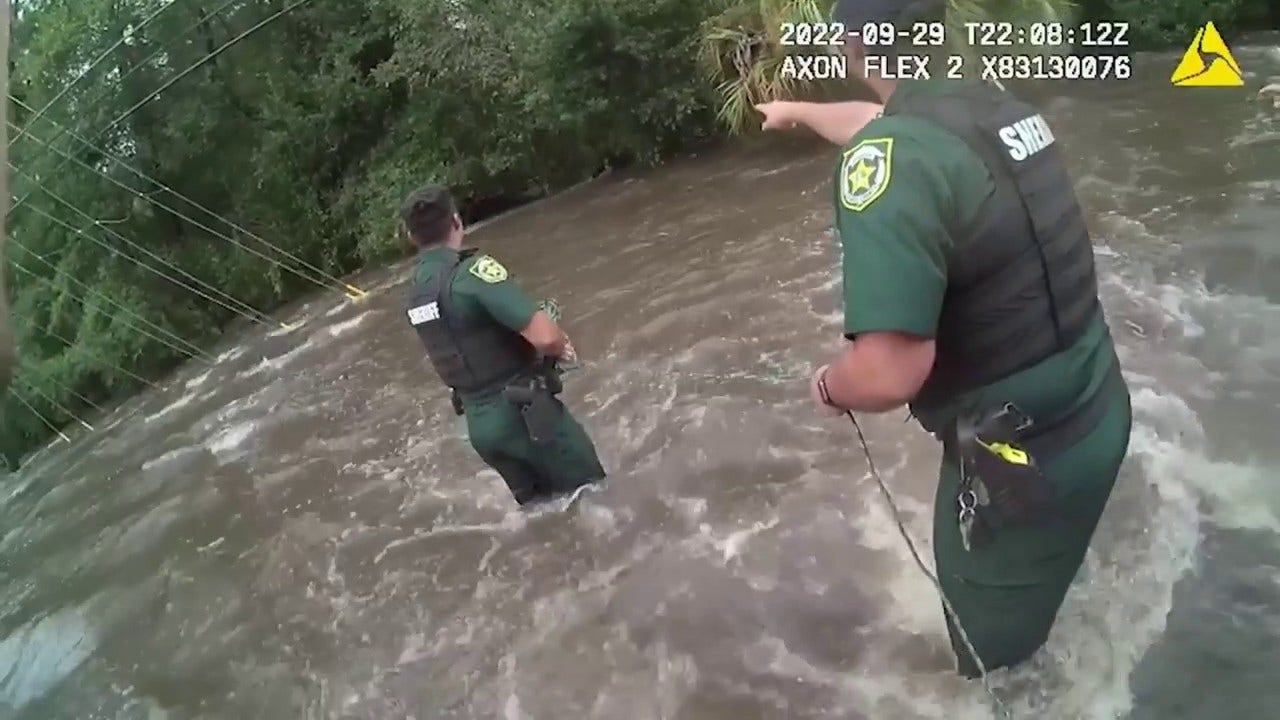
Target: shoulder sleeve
pixel 896 207
pixel 487 282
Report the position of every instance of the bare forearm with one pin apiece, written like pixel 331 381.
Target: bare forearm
pixel 557 347
pixel 835 122
pixel 879 372
pixel 860 387
pixel 545 335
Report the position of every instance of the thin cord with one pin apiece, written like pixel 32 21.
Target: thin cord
pixel 207 58
pixel 71 345
pixel 31 369
pixel 36 412
pixel 108 300
pixel 83 73
pixel 141 330
pixel 902 529
pixel 227 221
pixel 57 405
pixel 252 314
pixel 142 63
pixel 254 317
pixel 349 289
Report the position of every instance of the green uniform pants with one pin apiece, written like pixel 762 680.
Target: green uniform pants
pixel 532 472
pixel 1007 592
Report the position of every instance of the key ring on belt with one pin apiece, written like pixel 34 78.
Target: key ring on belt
pixel 968 502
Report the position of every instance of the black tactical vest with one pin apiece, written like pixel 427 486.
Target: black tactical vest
pixel 1021 284
pixel 469 355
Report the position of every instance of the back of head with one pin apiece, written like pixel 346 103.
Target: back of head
pixel 429 215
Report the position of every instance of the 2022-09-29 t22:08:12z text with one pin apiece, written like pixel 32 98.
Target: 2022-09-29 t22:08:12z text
pixel 986 34
pixel 996 51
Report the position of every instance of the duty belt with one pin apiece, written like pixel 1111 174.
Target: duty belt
pixel 458 398
pixel 1000 480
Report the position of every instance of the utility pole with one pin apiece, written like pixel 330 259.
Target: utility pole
pixel 8 354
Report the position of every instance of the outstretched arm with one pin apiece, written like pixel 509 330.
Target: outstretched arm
pixel 836 122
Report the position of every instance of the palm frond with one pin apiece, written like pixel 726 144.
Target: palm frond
pixel 742 53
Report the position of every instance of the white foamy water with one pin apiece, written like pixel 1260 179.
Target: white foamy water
pixel 341 328
pixel 198 380
pixel 230 442
pixel 178 404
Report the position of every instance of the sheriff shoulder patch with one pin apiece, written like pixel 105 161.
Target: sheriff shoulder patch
pixel 865 172
pixel 488 270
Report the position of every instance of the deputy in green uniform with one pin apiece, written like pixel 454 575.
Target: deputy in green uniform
pixel 970 293
pixel 496 351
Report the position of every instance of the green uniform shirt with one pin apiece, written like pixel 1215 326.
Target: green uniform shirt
pixel 906 190
pixel 482 288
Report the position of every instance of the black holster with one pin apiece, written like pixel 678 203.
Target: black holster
pixel 535 398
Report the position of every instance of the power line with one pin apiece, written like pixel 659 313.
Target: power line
pixel 350 290
pixel 71 345
pixel 108 300
pixel 170 83
pixel 252 314
pixel 137 67
pixel 210 56
pixel 48 378
pixel 57 405
pixel 36 412
pixel 197 354
pixel 84 73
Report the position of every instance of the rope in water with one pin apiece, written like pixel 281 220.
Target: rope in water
pixel 915 554
pixel 898 519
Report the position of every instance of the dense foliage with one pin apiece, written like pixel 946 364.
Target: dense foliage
pixel 307 132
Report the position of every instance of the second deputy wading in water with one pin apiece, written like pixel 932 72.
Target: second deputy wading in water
pixel 497 352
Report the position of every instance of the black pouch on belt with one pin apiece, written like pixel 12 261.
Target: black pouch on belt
pixel 998 455
pixel 1010 488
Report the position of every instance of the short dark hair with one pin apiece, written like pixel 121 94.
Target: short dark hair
pixel 428 214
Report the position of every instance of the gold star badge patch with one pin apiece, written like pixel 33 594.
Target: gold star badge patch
pixel 864 174
pixel 489 270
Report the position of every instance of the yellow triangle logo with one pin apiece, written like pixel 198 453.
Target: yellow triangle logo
pixel 1207 62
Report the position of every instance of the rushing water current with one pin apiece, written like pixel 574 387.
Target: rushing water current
pixel 300 529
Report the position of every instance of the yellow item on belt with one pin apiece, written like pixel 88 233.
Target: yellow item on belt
pixel 1006 452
